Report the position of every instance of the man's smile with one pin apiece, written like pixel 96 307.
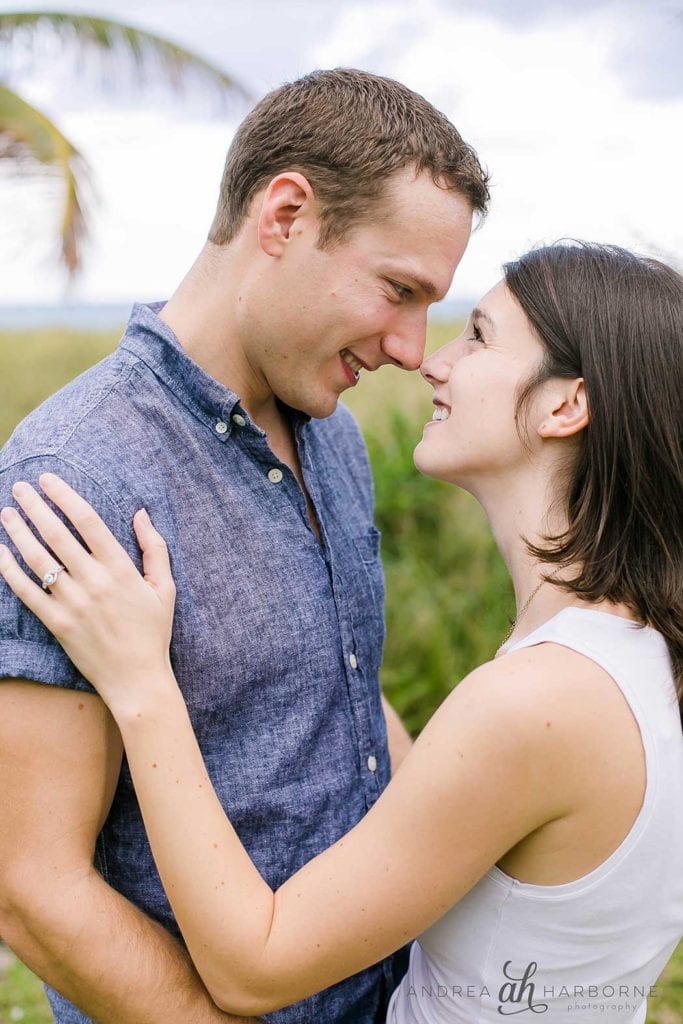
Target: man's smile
pixel 355 365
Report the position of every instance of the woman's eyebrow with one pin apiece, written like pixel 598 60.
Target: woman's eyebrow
pixel 480 314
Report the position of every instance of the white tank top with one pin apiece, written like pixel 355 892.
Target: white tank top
pixel 591 949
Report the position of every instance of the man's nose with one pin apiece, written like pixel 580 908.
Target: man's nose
pixel 405 346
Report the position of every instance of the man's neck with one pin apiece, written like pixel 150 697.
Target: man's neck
pixel 202 313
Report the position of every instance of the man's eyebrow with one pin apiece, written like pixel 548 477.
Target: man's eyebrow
pixel 426 286
pixel 480 314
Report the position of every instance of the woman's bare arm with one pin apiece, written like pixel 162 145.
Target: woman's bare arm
pixel 472 787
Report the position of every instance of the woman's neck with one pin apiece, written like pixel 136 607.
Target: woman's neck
pixel 525 511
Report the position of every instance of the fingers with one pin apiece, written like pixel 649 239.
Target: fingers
pixel 104 547
pixel 28 546
pixel 58 538
pixel 156 563
pixel 80 514
pixel 30 593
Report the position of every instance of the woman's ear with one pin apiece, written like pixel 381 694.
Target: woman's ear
pixel 568 408
pixel 287 200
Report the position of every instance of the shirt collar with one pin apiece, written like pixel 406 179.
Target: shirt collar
pixel 151 339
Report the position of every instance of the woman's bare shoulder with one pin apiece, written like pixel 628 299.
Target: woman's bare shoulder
pixel 547 689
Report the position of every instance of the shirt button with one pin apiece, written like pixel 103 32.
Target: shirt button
pixel 239 420
pixel 353 661
pixel 275 476
pixel 221 427
pixel 372 763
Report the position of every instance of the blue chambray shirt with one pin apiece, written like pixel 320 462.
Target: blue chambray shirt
pixel 277 639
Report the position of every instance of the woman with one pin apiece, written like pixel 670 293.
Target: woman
pixel 532 838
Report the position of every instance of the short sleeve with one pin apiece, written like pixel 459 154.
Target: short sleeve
pixel 27 649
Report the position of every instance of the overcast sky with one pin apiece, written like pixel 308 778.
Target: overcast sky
pixel 576 107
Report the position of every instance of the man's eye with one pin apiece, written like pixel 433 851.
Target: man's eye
pixel 401 290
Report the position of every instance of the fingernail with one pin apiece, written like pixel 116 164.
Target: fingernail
pixel 20 489
pixel 47 478
pixel 7 515
pixel 145 515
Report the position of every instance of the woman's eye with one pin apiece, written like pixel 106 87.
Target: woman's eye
pixel 477 335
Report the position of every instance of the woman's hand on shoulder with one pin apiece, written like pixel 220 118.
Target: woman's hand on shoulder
pixel 113 623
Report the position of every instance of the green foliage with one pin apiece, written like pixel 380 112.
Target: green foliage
pixel 35 364
pixel 666 1006
pixel 29 136
pixel 149 55
pixel 22 997
pixel 449 597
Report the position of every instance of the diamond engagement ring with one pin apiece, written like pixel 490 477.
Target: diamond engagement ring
pixel 50 578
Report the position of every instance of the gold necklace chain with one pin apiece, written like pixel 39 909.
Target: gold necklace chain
pixel 525 606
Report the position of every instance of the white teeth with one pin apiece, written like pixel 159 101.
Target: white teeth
pixel 351 361
pixel 440 413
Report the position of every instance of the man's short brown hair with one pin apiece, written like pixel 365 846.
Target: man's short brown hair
pixel 347 132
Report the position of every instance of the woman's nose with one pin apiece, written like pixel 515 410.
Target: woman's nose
pixel 437 367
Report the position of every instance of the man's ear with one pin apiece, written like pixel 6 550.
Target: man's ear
pixel 567 408
pixel 287 200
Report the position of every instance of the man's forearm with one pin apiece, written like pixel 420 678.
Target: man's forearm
pixel 107 957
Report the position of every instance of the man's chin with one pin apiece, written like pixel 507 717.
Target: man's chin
pixel 322 411
pixel 319 407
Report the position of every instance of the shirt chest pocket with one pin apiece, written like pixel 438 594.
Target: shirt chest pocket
pixel 368 545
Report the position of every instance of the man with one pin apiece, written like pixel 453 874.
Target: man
pixel 345 206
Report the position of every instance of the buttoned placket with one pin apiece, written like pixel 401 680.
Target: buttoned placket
pixel 358 695
pixel 353 669
pixel 232 424
pixel 229 420
pixel 311 481
pixel 280 478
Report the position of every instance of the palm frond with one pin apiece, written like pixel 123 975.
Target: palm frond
pixel 148 54
pixel 28 136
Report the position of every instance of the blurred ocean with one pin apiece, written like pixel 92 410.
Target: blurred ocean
pixel 88 317
pixel 114 316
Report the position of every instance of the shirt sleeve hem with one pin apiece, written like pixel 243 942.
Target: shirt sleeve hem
pixel 39 663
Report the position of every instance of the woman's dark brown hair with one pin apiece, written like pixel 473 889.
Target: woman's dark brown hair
pixel 616 319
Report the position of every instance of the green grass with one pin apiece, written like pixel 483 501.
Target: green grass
pixel 22 997
pixel 35 364
pixel 21 992
pixel 666 1007
pixel 449 599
